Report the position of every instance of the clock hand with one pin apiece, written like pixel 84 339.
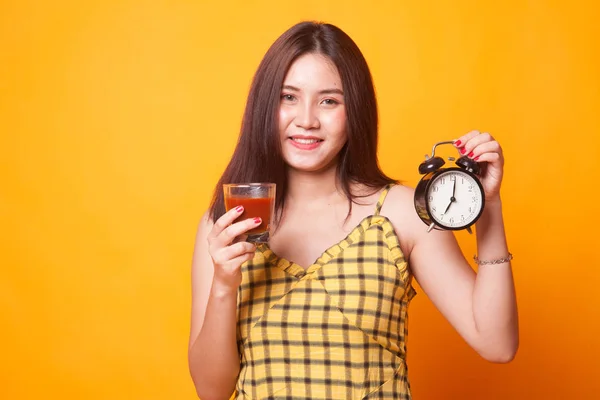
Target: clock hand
pixel 449 204
pixel 453 189
pixel 452 198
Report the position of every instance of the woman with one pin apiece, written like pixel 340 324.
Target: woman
pixel 320 312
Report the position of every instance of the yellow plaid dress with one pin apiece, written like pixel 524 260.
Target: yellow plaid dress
pixel 334 331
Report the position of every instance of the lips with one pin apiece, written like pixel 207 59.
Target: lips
pixel 305 142
pixel 306 139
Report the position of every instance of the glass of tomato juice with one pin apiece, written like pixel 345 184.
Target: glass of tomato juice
pixel 258 200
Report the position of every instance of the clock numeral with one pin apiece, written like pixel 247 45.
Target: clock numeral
pixel 462 180
pixel 434 209
pixel 462 217
pixel 452 220
pixel 470 188
pixel 443 180
pixel 430 198
pixel 470 209
pixel 474 199
pixel 452 178
pixel 436 189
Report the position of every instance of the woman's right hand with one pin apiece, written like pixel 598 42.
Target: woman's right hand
pixel 229 250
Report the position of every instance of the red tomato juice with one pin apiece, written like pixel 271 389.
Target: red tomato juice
pixel 253 207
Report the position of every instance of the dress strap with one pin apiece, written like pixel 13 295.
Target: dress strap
pixel 384 193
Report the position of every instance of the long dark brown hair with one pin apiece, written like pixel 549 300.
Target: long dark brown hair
pixel 258 157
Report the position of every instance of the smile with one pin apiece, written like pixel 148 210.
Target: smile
pixel 305 143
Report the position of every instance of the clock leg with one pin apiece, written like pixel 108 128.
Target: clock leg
pixel 430 227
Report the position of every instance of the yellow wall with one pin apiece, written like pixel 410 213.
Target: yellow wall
pixel 117 118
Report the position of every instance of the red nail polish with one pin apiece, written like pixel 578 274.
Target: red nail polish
pixel 463 150
pixel 457 143
pixel 471 154
pixel 476 158
pixel 239 209
pixel 257 220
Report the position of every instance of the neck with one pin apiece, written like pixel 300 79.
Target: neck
pixel 311 187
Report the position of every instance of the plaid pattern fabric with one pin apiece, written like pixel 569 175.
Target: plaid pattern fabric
pixel 334 331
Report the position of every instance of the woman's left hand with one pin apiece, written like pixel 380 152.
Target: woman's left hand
pixel 484 149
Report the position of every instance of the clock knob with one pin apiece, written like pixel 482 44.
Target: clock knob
pixel 468 164
pixel 431 165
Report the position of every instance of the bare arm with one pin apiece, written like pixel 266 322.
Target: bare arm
pixel 213 357
pixel 494 298
pixel 480 306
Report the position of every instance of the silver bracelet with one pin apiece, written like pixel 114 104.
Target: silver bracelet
pixel 497 261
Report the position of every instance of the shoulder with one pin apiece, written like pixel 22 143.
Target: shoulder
pixel 398 205
pixel 399 208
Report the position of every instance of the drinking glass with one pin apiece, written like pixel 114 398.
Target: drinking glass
pixel 258 200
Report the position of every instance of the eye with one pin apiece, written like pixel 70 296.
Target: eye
pixel 288 97
pixel 330 102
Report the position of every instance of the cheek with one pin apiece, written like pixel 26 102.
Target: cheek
pixel 285 117
pixel 336 122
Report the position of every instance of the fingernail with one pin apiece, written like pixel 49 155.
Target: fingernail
pixel 463 150
pixel 257 220
pixel 476 158
pixel 239 208
pixel 457 143
pixel 471 154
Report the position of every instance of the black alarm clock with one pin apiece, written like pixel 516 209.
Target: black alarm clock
pixel 449 198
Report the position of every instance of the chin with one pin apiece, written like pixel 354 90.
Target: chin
pixel 313 166
pixel 305 167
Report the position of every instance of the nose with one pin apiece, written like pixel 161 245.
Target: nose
pixel 307 117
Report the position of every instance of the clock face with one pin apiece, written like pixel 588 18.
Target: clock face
pixel 455 199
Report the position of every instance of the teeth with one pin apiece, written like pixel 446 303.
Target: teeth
pixel 305 141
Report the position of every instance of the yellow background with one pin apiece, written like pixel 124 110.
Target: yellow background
pixel 117 117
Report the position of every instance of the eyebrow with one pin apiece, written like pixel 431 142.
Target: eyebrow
pixel 324 91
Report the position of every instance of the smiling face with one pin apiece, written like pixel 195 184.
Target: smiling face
pixel 312 114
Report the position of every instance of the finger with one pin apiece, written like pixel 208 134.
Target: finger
pixel 225 220
pixel 238 261
pixel 489 157
pixel 232 267
pixel 232 231
pixel 483 148
pixel 472 142
pixel 461 141
pixel 229 253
